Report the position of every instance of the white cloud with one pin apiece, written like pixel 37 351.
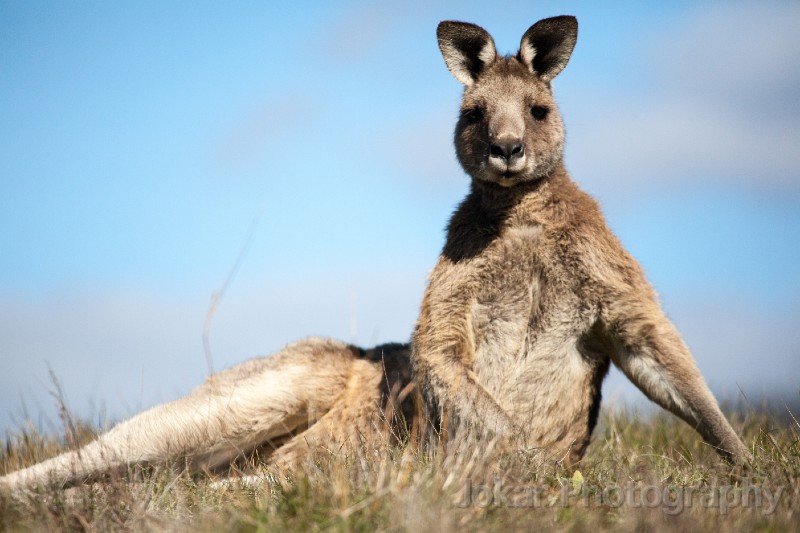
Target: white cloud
pixel 737 48
pixel 363 29
pixel 428 156
pixel 101 347
pixel 252 136
pixel 123 351
pixel 739 348
pixel 682 139
pixel 719 102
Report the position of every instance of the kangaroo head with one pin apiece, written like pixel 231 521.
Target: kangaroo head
pixel 509 131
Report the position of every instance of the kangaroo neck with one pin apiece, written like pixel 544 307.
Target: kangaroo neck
pixel 498 202
pixel 489 209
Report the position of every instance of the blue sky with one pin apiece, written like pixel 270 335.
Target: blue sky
pixel 140 141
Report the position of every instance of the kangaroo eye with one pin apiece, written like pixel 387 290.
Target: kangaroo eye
pixel 539 112
pixel 473 116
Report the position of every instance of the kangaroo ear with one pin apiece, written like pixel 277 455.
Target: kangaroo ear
pixel 547 45
pixel 467 49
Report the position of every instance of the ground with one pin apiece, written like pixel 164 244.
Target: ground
pixel 642 473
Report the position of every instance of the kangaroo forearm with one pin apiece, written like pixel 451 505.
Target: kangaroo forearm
pixel 710 422
pixel 458 391
pixel 661 366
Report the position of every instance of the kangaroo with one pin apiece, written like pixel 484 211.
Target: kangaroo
pixel 531 300
pixel 533 296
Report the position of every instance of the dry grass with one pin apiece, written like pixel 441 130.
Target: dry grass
pixel 642 474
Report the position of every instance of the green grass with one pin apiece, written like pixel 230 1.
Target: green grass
pixel 645 474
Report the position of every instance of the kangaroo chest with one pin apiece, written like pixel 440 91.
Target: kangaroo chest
pixel 528 318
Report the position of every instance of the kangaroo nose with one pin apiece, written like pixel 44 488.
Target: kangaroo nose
pixel 508 150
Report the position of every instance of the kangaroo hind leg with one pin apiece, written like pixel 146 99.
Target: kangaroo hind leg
pixel 262 400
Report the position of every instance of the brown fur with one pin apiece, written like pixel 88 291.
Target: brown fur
pixel 533 295
pixel 530 301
